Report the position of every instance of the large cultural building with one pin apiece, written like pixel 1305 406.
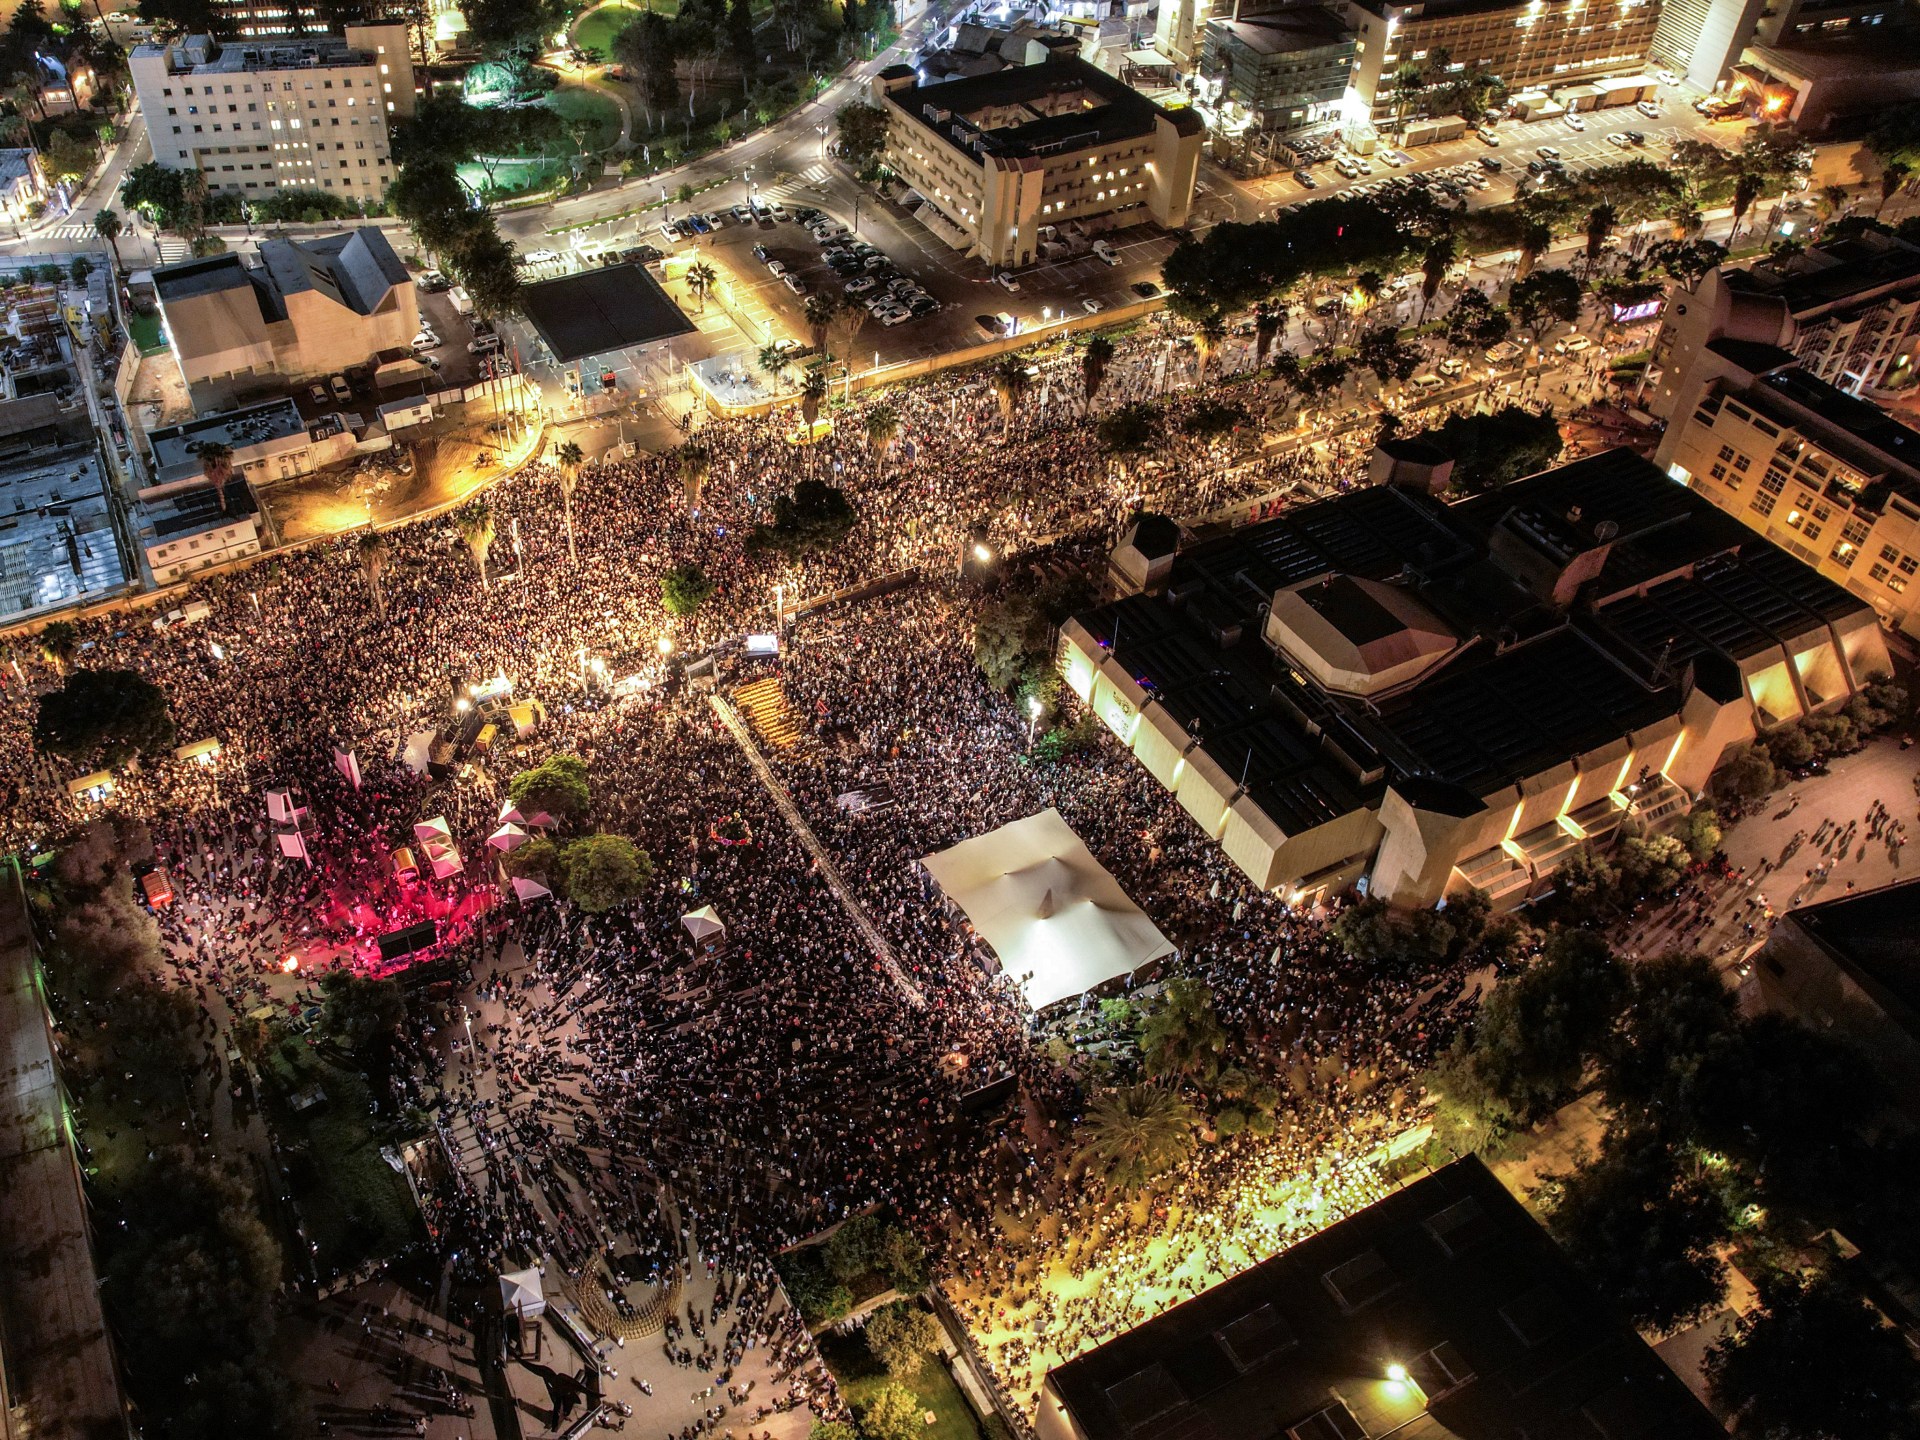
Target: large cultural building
pixel 257 117
pixel 997 157
pixel 1443 1312
pixel 1386 691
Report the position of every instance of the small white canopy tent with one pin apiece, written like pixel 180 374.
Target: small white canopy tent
pixel 416 750
pixel 521 1294
pixel 437 840
pixel 525 890
pixel 510 814
pixel 1058 921
pixel 508 837
pixel 705 926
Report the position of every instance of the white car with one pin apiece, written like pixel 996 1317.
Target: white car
pixel 1620 140
pixel 776 268
pixel 1503 352
pixel 1573 345
pixel 1668 77
pixel 1007 283
pixel 540 257
pixel 1574 122
pixel 895 316
pixel 1092 306
pixel 1648 109
pixel 1452 366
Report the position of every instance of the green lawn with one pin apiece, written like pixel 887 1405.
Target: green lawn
pixel 355 1205
pixel 594 31
pixel 860 1375
pixel 575 102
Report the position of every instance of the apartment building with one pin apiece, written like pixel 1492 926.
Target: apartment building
pixel 1829 478
pixel 258 116
pixel 1524 42
pixel 1288 70
pixel 996 157
pixel 1849 312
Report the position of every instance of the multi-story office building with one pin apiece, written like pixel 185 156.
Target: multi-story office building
pixel 1388 691
pixel 1524 42
pixel 1829 478
pixel 1849 312
pixel 1288 69
pixel 997 157
pixel 256 117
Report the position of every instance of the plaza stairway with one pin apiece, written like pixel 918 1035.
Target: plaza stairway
pixel 764 704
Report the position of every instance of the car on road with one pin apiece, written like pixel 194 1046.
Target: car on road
pixel 1146 289
pixel 1575 122
pixel 1304 179
pixel 1505 351
pixel 776 268
pixel 434 283
pixel 1572 345
pixel 777 210
pixel 1649 109
pixel 794 283
pixel 1428 381
pixel 1452 366
pixel 1007 283
pixel 1091 305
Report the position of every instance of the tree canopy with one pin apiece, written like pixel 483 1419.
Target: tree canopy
pixel 105 717
pixel 813 518
pixel 604 871
pixel 1496 449
pixel 557 785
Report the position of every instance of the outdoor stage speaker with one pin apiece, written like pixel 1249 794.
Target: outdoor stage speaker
pixel 397 944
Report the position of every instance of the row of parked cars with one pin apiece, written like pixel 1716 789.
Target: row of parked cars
pixel 865 273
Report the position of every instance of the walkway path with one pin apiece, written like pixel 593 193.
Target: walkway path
pixel 730 718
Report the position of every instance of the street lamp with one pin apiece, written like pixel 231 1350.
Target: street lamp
pixel 1033 717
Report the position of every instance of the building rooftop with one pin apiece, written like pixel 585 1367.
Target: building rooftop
pixel 1029 110
pixel 1872 936
pixel 56 537
pixel 1448 1278
pixel 1833 274
pixel 16 165
pixel 356 268
pixel 602 311
pixel 236 429
pixel 1682 595
pixel 187 512
pixel 1309 27
pixel 203 55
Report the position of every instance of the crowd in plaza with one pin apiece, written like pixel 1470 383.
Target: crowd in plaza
pixel 627 1103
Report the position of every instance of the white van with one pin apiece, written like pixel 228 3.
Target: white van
pixel 1104 253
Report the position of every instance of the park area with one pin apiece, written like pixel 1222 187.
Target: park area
pixel 593 32
pixel 862 1377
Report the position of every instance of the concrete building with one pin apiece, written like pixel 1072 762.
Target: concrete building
pixel 1524 42
pixel 1830 81
pixel 188 528
pixel 1848 967
pixel 1440 1312
pixel 269 442
pixel 1287 70
pixel 23 184
pixel 1849 312
pixel 311 307
pixel 996 157
pixel 1829 478
pixel 1388 692
pixel 257 117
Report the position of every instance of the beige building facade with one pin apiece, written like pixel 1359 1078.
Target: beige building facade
pixel 259 116
pixel 1830 479
pixel 999 157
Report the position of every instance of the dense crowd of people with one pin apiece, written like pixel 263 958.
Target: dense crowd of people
pixel 626 1091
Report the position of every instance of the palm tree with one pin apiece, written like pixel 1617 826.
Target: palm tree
pixel 1207 336
pixel 216 463
pixel 373 550
pixel 1535 240
pixel 772 360
pixel 883 429
pixel 59 643
pixel 474 523
pixel 108 225
pixel 1832 201
pixel 847 322
pixel 1599 230
pixel 1093 366
pixel 1433 269
pixel 1010 385
pixel 700 279
pixel 1892 176
pixel 1133 1134
pixel 812 393
pixel 695 461
pixel 819 311
pixel 1269 321
pixel 1684 214
pixel 1747 186
pixel 568 457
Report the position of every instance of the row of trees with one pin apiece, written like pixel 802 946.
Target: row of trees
pixel 190 1271
pixel 596 872
pixel 448 220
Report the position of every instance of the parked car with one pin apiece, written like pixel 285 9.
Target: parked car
pixel 699 224
pixel 483 344
pixel 1505 351
pixel 1648 109
pixel 1091 305
pixel 1574 121
pixel 540 257
pixel 1105 253
pixel 1487 136
pixel 1452 366
pixel 1547 152
pixel 793 283
pixel 776 269
pixel 923 305
pixel 1572 345
pixel 1491 164
pixel 741 214
pixel 1304 179
pixel 1618 138
pixel 318 395
pixel 434 283
pixel 760 254
pixel 1146 289
pixel 859 286
pixel 1007 283
pixel 990 324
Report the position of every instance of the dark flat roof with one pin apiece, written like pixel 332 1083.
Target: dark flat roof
pixel 1832 274
pixel 1307 27
pixel 601 311
pixel 1448 1277
pixel 1112 110
pixel 1686 593
pixel 1873 933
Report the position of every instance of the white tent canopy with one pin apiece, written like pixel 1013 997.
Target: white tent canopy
pixel 525 889
pixel 704 924
pixel 508 837
pixel 520 1294
pixel 1058 921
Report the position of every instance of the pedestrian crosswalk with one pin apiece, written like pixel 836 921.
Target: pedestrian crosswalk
pixel 72 232
pixel 803 186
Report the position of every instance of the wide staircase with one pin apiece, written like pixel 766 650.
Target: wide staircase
pixel 764 704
